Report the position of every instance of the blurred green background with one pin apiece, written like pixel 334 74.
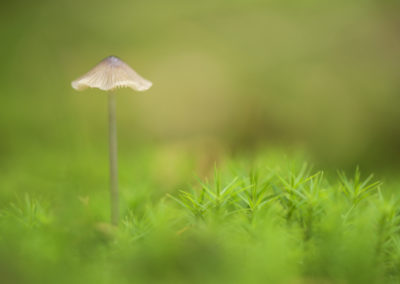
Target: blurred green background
pixel 235 81
pixel 229 75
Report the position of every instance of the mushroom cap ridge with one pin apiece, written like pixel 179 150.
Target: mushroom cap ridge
pixel 109 74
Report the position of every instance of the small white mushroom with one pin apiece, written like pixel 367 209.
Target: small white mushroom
pixel 110 74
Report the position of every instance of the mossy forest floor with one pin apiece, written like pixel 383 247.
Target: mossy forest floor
pixel 275 221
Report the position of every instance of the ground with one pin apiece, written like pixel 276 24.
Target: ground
pixel 274 219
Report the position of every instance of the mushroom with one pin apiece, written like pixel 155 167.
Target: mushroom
pixel 112 73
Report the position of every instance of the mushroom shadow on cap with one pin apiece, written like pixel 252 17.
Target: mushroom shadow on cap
pixel 109 74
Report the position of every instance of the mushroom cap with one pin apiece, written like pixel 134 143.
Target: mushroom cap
pixel 109 74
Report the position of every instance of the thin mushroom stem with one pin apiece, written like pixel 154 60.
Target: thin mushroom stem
pixel 112 135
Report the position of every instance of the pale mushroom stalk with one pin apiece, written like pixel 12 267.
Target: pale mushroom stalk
pixel 110 74
pixel 112 138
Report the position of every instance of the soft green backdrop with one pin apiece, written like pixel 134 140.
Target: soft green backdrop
pixel 236 83
pixel 229 77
